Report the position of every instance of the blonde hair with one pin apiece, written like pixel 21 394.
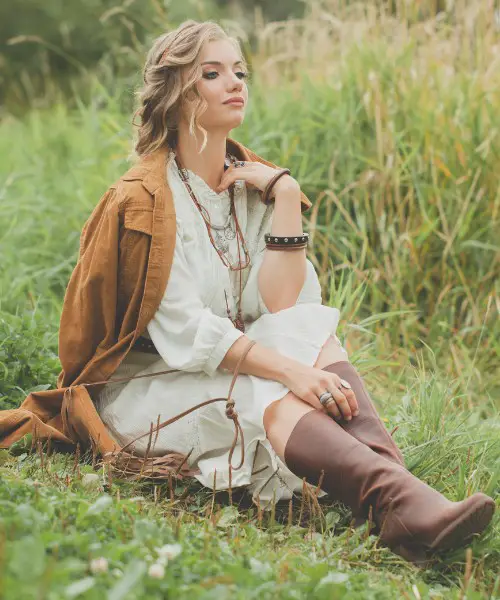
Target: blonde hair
pixel 162 96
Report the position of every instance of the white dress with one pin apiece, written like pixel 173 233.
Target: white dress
pixel 192 333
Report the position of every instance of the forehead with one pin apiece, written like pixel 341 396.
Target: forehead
pixel 220 51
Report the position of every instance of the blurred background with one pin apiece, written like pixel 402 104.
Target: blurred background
pixel 387 112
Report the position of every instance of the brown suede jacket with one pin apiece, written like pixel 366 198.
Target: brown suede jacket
pixel 125 255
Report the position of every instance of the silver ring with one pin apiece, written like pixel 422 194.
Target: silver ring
pixel 345 384
pixel 239 163
pixel 325 397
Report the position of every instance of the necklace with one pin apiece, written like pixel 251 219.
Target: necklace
pixel 238 320
pixel 222 233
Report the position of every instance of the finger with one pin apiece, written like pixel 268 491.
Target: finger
pixel 333 409
pixel 313 399
pixel 342 403
pixel 353 403
pixel 231 174
pixel 225 182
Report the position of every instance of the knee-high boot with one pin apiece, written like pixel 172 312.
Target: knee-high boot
pixel 413 519
pixel 367 427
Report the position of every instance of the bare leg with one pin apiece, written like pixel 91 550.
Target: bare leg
pixel 281 416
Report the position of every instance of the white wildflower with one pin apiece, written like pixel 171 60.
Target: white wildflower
pixel 169 551
pixel 157 571
pixel 261 568
pixel 98 565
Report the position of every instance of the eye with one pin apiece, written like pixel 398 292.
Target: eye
pixel 207 74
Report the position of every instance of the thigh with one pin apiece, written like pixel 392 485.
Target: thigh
pixel 331 352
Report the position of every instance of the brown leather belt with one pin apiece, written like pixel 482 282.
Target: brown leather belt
pixel 143 344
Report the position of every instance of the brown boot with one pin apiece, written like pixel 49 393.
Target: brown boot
pixel 413 519
pixel 367 426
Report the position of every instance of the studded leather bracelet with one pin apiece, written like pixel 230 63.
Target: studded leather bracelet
pixel 293 242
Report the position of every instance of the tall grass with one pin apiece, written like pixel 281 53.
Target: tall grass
pixel 391 124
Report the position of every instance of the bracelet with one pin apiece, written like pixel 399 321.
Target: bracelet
pixel 272 181
pixel 291 248
pixel 298 240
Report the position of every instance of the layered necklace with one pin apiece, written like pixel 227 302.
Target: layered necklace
pixel 222 234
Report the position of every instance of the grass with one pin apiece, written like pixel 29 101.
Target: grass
pixel 391 125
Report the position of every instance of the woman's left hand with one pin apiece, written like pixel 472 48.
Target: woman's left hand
pixel 257 175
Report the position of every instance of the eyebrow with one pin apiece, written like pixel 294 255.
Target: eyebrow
pixel 216 62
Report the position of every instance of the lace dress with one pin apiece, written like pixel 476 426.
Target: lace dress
pixel 192 333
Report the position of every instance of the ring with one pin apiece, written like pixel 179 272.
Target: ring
pixel 239 163
pixel 326 398
pixel 345 384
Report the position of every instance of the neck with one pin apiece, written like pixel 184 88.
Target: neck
pixel 209 164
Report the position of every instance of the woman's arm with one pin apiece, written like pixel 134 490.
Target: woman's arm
pixel 260 361
pixel 282 273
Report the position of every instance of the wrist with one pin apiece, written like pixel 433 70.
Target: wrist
pixel 284 186
pixel 285 368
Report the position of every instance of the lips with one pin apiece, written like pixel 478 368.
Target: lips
pixel 239 101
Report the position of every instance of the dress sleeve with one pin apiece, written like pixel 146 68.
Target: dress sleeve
pixel 188 335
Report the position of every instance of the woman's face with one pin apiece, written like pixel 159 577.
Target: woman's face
pixel 223 78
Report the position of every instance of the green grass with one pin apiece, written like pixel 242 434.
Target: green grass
pixel 396 141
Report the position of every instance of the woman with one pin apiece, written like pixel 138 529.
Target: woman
pixel 302 406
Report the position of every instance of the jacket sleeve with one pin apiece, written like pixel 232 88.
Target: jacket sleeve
pixel 188 335
pixel 88 312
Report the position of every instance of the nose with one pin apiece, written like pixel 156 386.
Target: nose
pixel 237 83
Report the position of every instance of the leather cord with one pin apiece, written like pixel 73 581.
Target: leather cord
pixel 231 412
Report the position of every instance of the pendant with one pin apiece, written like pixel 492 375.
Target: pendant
pixel 221 243
pixel 229 232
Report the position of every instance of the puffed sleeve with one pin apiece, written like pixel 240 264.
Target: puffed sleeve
pixel 188 335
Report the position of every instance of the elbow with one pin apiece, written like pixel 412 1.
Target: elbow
pixel 278 294
pixel 285 299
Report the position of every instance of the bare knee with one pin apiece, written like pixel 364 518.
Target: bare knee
pixel 280 417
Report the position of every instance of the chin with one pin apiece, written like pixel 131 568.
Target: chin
pixel 236 122
pixel 227 124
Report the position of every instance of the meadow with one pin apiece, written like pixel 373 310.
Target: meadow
pixel 390 121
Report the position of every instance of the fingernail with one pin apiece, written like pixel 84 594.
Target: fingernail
pixel 349 418
pixel 356 413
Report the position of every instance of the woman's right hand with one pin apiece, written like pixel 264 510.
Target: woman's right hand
pixel 308 383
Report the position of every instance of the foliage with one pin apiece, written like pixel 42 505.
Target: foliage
pixel 390 123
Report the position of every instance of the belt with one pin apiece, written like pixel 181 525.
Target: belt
pixel 143 344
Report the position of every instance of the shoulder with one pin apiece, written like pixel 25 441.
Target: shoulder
pixel 131 191
pixel 137 186
pixel 134 194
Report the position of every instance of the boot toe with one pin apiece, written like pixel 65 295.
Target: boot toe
pixel 472 516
